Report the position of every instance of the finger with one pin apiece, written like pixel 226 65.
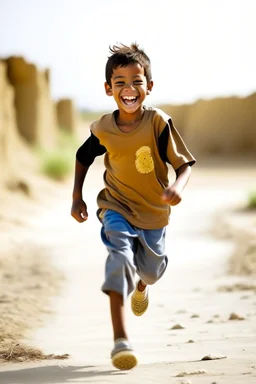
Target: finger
pixel 81 218
pixel 167 195
pixel 84 216
pixel 171 198
pixel 175 201
pixel 78 217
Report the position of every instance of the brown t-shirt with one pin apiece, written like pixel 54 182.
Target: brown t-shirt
pixel 136 171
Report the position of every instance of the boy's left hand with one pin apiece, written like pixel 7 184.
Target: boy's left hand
pixel 172 195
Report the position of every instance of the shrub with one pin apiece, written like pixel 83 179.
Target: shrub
pixel 58 164
pixel 252 200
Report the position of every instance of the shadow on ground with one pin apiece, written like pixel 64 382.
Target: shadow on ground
pixel 53 374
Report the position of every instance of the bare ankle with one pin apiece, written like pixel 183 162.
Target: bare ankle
pixel 141 286
pixel 118 336
pixel 117 315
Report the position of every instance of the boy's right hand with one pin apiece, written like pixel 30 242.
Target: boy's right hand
pixel 79 210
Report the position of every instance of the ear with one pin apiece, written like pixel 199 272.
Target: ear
pixel 149 87
pixel 108 89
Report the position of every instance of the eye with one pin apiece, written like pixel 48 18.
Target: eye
pixel 119 83
pixel 138 82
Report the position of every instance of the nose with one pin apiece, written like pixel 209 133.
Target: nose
pixel 129 87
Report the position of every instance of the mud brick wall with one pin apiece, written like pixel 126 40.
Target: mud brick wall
pixel 66 115
pixel 8 129
pixel 35 112
pixel 224 126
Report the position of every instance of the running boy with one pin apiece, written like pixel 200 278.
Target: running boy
pixel 134 206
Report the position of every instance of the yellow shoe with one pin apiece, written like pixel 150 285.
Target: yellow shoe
pixel 139 301
pixel 123 356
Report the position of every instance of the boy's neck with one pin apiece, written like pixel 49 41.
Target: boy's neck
pixel 128 122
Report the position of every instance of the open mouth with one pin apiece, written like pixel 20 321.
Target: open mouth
pixel 129 100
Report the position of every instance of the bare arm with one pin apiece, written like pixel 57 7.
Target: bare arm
pixel 79 208
pixel 172 194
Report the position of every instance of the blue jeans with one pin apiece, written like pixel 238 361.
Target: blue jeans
pixel 131 250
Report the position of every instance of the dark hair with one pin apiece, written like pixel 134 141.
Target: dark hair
pixel 122 55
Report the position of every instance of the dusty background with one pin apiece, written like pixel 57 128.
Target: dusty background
pixel 51 268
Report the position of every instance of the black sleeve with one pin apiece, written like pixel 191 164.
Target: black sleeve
pixel 163 143
pixel 89 150
pixel 172 148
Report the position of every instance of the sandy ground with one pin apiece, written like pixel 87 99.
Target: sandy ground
pixel 27 276
pixel 196 292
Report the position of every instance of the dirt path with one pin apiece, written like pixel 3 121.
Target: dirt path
pixel 187 295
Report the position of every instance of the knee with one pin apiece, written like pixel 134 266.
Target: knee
pixel 119 276
pixel 150 278
pixel 153 275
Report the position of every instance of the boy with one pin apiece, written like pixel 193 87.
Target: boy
pixel 134 206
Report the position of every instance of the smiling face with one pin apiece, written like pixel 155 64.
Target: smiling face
pixel 129 87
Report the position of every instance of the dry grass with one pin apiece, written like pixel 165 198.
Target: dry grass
pixel 11 352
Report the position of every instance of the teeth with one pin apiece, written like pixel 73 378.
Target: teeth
pixel 129 97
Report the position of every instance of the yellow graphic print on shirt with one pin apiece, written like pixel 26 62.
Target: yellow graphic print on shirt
pixel 144 162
